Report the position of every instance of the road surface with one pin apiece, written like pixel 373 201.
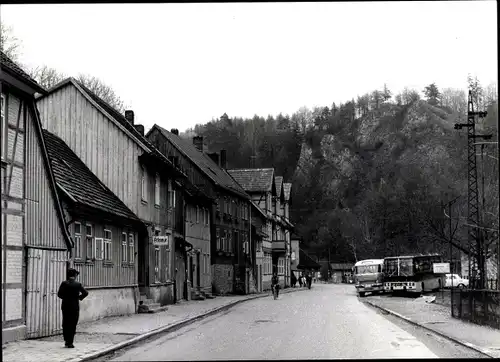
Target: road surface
pixel 328 321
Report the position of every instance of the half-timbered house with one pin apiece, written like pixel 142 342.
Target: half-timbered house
pixel 289 227
pixel 259 183
pixel 259 229
pixel 35 241
pixel 114 148
pixel 229 245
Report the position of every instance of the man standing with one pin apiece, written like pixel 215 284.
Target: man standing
pixel 71 292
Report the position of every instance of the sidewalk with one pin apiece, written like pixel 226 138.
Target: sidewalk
pixel 93 338
pixel 437 318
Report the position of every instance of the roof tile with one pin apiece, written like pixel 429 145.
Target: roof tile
pixel 254 179
pixel 79 182
pixel 9 65
pixel 207 165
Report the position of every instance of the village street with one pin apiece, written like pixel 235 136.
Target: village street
pixel 328 321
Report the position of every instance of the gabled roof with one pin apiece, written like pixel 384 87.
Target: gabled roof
pixel 116 117
pixel 206 165
pixel 9 66
pixel 278 180
pixel 79 184
pixel 287 188
pixel 341 266
pixel 255 179
pixel 259 210
pixel 306 262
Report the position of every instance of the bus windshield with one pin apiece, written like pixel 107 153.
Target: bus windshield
pixel 368 269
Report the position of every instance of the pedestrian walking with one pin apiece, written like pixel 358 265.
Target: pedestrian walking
pixel 309 280
pixel 275 285
pixel 71 292
pixel 293 280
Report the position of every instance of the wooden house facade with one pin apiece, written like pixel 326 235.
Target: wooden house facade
pixel 260 185
pixel 229 210
pixel 104 232
pixel 35 242
pixel 115 150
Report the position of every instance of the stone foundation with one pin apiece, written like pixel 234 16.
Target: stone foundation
pixel 102 303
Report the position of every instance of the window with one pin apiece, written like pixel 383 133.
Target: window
pixel 107 245
pixel 89 241
pixel 171 195
pixel 3 125
pixel 224 240
pixel 157 263
pixel 228 240
pixel 131 248
pixel 124 248
pixel 157 190
pixel 281 266
pixel 207 217
pixel 144 184
pixel 219 239
pixel 77 227
pixel 98 244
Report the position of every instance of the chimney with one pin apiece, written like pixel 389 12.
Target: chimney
pixel 129 115
pixel 198 142
pixel 140 129
pixel 175 131
pixel 215 157
pixel 223 159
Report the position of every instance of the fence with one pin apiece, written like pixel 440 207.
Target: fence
pixel 477 306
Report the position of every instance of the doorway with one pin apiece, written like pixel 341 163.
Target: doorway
pixel 198 270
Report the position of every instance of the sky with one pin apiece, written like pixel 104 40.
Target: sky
pixel 178 65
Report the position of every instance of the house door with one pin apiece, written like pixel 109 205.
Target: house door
pixel 198 270
pixel 143 260
pixel 46 270
pixel 259 281
pixel 180 274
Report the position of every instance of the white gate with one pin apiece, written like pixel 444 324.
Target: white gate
pixel 46 270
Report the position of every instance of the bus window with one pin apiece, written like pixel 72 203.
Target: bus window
pixel 406 267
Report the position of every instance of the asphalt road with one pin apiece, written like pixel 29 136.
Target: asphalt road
pixel 328 321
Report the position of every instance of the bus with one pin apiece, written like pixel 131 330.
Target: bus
pixel 413 274
pixel 368 276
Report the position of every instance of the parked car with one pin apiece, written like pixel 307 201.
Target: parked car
pixel 458 281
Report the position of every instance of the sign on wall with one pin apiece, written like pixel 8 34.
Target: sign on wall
pixel 441 268
pixel 162 240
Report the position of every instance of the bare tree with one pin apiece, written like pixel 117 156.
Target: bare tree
pixel 102 90
pixel 9 43
pixel 45 76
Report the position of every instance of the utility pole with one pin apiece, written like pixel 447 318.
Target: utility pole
pixel 475 235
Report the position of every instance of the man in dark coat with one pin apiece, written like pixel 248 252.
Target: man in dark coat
pixel 71 292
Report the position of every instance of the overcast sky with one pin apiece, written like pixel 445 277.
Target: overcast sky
pixel 182 64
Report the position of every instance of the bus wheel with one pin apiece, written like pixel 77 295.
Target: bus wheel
pixel 361 294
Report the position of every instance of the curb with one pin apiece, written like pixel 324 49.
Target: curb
pixel 170 327
pixel 481 350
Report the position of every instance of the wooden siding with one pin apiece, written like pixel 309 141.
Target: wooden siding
pixel 106 150
pixel 158 214
pixel 101 273
pixel 42 220
pixel 46 271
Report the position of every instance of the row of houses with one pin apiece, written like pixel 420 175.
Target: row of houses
pixel 147 219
